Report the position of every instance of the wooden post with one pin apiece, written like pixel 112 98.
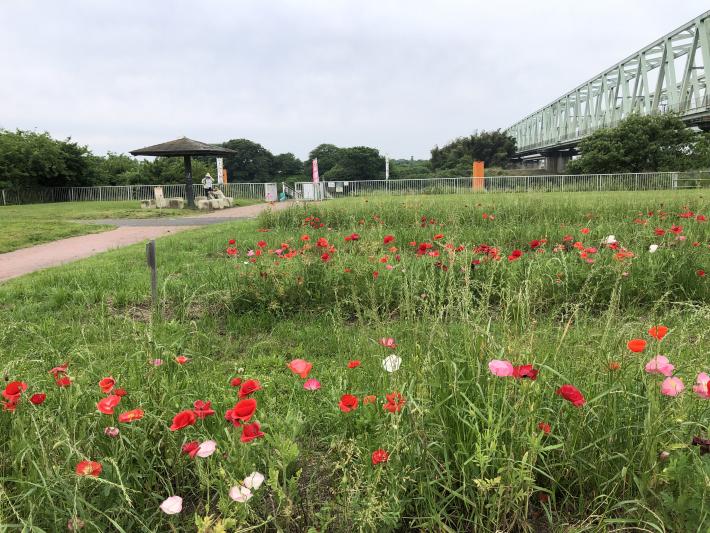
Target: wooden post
pixel 189 193
pixel 152 264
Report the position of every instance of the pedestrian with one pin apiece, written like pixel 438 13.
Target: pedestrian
pixel 207 185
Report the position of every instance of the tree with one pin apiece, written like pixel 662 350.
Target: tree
pixel 346 164
pixel 328 156
pixel 641 144
pixel 252 162
pixel 494 148
pixel 287 165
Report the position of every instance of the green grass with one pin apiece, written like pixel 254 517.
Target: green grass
pixel 465 452
pixel 27 225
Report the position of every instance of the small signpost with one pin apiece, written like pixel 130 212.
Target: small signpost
pixel 150 258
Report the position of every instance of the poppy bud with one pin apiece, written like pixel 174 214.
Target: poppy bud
pixel 663 456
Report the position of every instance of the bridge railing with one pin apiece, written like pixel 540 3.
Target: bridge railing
pixel 646 181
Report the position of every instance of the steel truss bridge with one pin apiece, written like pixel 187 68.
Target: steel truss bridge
pixel 671 74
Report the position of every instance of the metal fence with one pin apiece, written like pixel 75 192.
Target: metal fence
pixel 547 183
pixel 257 191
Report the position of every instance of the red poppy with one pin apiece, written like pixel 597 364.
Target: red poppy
pixel 348 403
pixel 375 274
pixel 13 390
pixel 438 236
pixel 534 244
pixel 203 409
pixel 191 448
pixel 232 251
pixel 39 398
pixel 388 239
pixel 700 273
pixel 305 238
pixel 261 244
pixel 130 416
pixel 232 241
pixel 88 468
pixel 106 405
pixel 248 387
pixel 300 367
pixel 322 242
pixel 371 398
pixel 585 231
pixel 325 257
pixel 636 345
pixel 660 232
pixel 514 255
pixel 677 229
pixel 353 364
pixel 120 392
pixel 571 394
pixel 181 359
pixel 545 427
pixel 183 419
pixel 235 382
pixel 353 237
pixel 242 411
pixel 251 432
pixel 9 406
pixel 63 381
pixel 395 402
pixel 658 332
pixel 525 371
pixel 379 456
pixel 106 385
pixel 614 365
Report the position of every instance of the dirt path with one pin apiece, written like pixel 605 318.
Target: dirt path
pixel 130 231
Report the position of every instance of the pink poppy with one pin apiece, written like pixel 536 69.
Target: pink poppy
pixel 660 365
pixel 311 384
pixel 702 388
pixel 672 386
pixel 388 342
pixel 501 368
pixel 300 367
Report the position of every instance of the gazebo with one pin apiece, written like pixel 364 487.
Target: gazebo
pixel 186 148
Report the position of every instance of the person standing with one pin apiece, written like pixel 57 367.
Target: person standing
pixel 207 185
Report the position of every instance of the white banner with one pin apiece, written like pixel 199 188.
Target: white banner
pixel 220 163
pixel 387 168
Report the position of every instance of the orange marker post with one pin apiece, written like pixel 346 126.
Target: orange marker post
pixel 478 179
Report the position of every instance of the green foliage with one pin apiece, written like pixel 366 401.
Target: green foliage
pixel 494 148
pixel 643 144
pixel 346 164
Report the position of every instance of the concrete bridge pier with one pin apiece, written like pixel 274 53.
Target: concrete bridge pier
pixel 556 160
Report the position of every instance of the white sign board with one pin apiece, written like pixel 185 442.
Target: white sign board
pixel 220 165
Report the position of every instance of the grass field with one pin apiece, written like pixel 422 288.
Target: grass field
pixel 458 445
pixel 27 225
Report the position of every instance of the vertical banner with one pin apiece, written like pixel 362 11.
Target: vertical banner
pixel 224 175
pixel 316 178
pixel 387 168
pixel 220 164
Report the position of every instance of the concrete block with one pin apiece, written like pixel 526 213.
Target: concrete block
pixel 147 204
pixel 176 203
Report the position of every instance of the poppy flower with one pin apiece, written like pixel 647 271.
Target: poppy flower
pixel 88 468
pixel 325 257
pixel 388 342
pixel 38 399
pixel 322 242
pixel 232 241
pixel 190 448
pixel 636 345
pixel 702 388
pixel 305 238
pixel 658 332
pixel 240 493
pixel 63 382
pixel 525 371
pixel 232 251
pixel 571 394
pixel 156 362
pixel 130 416
pixel 235 382
pixel 395 402
pixel 371 398
pixel 544 427
pixel 585 231
pixel 181 359
pixel 311 384
pixel 172 505
pixel 120 392
pixel 676 229
pixel 659 365
pixel 614 365
pixel 388 239
pixel 106 385
pixel 106 405
pixel 672 386
pixel 111 432
pixel 348 403
pixel 391 363
pixel 261 244
pixel 183 419
pixel 203 409
pixel 375 274
pixel 243 410
pixel 379 456
pixel 248 387
pixel 515 255
pixel 254 480
pixel 610 239
pixel 500 368
pixel 700 273
pixel 652 248
pixel 61 369
pixel 300 367
pixel 353 364
pixel 14 390
pixel 251 432
pixel 438 236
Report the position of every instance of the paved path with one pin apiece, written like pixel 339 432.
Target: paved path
pixel 130 231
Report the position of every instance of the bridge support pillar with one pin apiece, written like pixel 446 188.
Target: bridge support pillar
pixel 556 162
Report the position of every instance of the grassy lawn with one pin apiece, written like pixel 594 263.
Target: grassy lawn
pixel 27 225
pixel 466 450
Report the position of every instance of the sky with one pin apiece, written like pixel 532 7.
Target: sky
pixel 399 75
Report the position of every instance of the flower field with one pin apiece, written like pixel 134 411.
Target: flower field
pixel 471 363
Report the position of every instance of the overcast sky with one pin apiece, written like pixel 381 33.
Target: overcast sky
pixel 401 76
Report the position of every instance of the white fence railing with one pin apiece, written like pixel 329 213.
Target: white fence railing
pixel 256 191
pixel 548 183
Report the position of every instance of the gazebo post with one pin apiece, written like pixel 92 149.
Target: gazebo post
pixel 189 192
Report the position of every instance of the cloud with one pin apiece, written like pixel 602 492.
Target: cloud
pixel 398 75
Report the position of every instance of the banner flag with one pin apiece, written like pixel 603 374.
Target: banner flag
pixel 316 179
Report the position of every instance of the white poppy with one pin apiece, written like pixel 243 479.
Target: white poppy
pixel 206 449
pixel 652 248
pixel 254 480
pixel 172 505
pixel 240 493
pixel 610 239
pixel 391 363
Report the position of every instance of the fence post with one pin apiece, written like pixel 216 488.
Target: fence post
pixel 3 197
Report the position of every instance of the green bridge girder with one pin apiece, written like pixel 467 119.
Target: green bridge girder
pixel 669 75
